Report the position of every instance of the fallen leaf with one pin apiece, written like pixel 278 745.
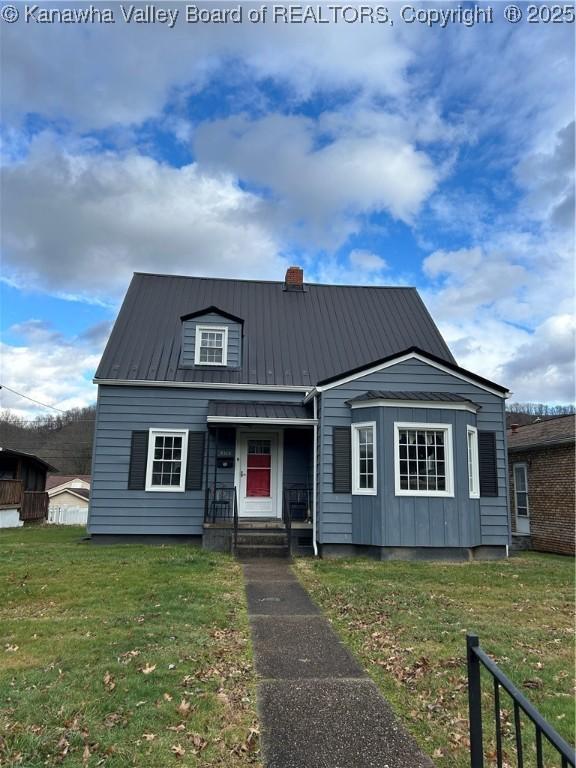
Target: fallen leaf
pixel 148 669
pixel 86 754
pixel 149 736
pixel 178 750
pixel 184 707
pixel 167 697
pixel 109 682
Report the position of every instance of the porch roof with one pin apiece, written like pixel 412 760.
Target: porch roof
pixel 418 397
pixel 234 412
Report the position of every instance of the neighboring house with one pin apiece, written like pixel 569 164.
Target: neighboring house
pixel 541 457
pixel 69 497
pixel 337 408
pixel 22 488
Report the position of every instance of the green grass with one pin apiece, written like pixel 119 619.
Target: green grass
pixel 122 656
pixel 407 621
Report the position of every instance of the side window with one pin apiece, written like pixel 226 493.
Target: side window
pixel 364 458
pixel 473 468
pixel 521 490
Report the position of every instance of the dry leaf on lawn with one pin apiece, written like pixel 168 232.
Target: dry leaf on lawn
pixel 148 668
pixel 178 750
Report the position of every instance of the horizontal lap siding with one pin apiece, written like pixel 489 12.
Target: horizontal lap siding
pixel 234 357
pixel 120 410
pixel 413 521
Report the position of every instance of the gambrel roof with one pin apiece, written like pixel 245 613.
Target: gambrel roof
pixel 289 337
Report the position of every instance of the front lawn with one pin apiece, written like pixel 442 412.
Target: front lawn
pixel 407 622
pixel 121 656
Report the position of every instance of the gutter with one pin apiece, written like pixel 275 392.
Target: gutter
pixel 315 478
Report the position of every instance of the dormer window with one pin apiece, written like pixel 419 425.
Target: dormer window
pixel 211 347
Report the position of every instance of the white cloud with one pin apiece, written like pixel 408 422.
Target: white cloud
pixel 50 368
pixel 545 363
pixel 319 175
pixel 548 176
pixel 95 71
pixel 506 311
pixel 367 261
pixel 82 222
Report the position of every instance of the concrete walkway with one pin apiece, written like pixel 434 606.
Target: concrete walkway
pixel 317 707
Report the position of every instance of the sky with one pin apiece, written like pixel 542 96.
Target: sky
pixel 368 153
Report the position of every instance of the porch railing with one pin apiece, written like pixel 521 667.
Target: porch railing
pixel 34 506
pixel 221 504
pixel 11 492
pixel 297 500
pixel 542 730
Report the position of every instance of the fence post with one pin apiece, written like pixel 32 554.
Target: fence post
pixel 474 703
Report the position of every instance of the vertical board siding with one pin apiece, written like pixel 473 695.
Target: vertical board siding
pixel 122 410
pixel 234 359
pixel 388 520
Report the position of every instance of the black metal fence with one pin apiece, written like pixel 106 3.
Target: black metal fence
pixel 543 732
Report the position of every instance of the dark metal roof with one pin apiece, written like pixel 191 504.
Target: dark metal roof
pixel 242 410
pixel 434 397
pixel 557 431
pixel 293 338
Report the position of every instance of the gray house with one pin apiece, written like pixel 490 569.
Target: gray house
pixel 335 415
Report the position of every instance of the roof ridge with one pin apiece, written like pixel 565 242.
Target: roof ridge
pixel 271 282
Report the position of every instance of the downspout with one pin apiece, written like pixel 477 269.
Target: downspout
pixel 315 478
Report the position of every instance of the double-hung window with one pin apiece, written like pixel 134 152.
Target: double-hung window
pixel 473 467
pixel 423 459
pixel 211 347
pixel 166 467
pixel 364 458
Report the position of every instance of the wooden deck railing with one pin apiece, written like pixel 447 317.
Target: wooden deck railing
pixel 11 493
pixel 34 506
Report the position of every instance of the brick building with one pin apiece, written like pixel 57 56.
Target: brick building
pixel 541 459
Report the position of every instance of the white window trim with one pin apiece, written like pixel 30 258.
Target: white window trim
pixel 210 328
pixel 474 491
pixel 356 490
pixel 448 459
pixel 524 466
pixel 152 435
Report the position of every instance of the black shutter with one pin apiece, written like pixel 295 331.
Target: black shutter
pixel 341 460
pixel 195 461
pixel 138 459
pixel 487 463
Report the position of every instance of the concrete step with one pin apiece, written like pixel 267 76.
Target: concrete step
pixel 258 537
pixel 249 551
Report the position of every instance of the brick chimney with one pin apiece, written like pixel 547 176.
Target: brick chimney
pixel 294 280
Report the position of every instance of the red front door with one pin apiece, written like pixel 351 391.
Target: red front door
pixel 258 468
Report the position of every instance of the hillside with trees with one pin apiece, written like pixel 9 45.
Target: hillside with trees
pixel 64 440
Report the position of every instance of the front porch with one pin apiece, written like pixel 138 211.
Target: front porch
pixel 259 496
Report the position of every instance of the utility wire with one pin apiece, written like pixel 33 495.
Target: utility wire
pixel 44 405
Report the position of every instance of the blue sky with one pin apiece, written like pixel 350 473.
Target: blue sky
pixel 404 154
